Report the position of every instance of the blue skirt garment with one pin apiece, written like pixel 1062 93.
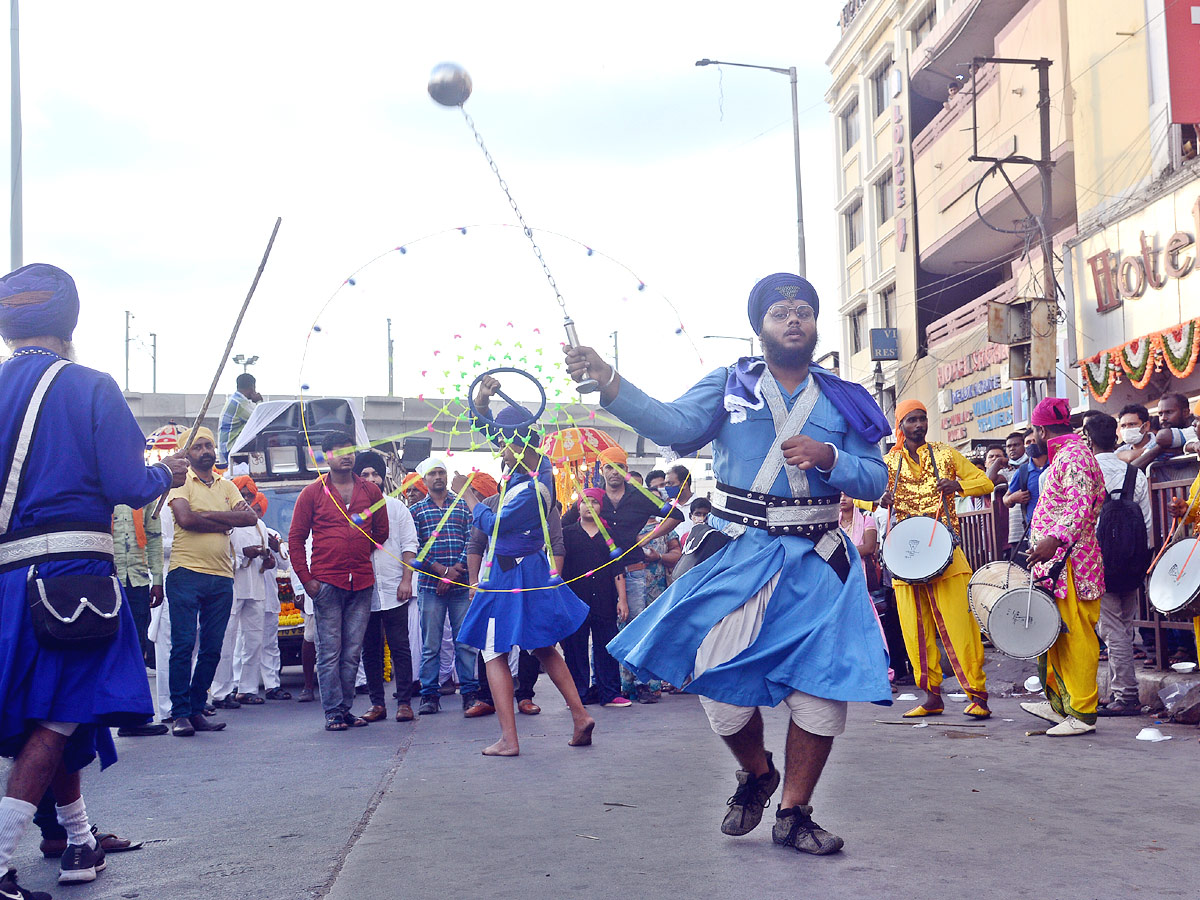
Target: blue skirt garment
pixel 96 688
pixel 818 636
pixel 535 616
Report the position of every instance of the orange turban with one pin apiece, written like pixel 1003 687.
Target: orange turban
pixel 413 480
pixel 260 504
pixel 613 456
pixel 241 482
pixel 485 485
pixel 903 409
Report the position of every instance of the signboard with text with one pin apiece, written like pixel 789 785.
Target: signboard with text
pixel 885 344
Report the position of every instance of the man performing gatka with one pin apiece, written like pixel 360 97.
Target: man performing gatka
pixel 780 613
pixel 923 478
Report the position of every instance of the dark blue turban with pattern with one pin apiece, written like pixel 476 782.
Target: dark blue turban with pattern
pixel 781 287
pixel 38 300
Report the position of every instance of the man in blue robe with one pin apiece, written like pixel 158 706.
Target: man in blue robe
pixel 780 613
pixel 62 470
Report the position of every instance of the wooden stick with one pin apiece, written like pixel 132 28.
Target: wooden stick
pixel 212 389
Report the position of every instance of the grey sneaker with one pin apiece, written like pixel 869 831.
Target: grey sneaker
pixel 795 828
pixel 752 796
pixel 430 704
pixel 645 695
pixel 80 863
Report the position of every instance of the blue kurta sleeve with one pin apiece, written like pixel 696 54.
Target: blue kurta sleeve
pixel 860 470
pixel 686 419
pixel 121 451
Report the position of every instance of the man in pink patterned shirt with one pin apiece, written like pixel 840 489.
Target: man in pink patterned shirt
pixel 1064 525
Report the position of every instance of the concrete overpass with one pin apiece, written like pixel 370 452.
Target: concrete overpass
pixel 386 417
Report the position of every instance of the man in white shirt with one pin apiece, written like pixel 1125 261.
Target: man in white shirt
pixel 1118 608
pixel 390 602
pixel 251 557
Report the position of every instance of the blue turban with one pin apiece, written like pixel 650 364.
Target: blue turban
pixel 37 300
pixel 513 424
pixel 779 288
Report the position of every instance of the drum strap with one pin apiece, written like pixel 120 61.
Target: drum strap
pixel 942 515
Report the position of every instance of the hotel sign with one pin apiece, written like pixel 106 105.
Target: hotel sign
pixel 850 10
pixel 1118 278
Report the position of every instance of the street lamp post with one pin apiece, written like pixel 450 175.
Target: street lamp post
pixel 791 73
pixel 245 361
pixel 730 337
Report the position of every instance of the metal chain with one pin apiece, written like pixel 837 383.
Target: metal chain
pixel 537 251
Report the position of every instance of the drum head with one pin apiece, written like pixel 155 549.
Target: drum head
pixel 989 582
pixel 1014 633
pixel 911 555
pixel 1175 582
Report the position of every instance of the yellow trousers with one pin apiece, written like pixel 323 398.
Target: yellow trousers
pixel 939 609
pixel 1068 669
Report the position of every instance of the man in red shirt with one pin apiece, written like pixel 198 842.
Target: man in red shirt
pixel 347 519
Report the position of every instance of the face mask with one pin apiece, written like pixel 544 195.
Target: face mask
pixel 1131 435
pixel 672 491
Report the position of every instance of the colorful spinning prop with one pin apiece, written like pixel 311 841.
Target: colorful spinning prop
pixel 574 452
pixel 450 85
pixel 165 438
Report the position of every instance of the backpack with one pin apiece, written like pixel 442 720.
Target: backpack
pixel 1121 533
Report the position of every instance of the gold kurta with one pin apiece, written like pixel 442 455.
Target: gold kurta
pixel 915 490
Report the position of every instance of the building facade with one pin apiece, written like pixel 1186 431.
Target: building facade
pixel 928 237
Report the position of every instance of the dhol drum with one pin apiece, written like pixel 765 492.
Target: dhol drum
pixel 1020 618
pixel 1175 581
pixel 919 549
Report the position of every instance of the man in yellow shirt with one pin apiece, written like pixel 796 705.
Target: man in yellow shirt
pixel 200 580
pixel 922 479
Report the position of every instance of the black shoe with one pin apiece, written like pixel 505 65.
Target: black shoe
pixel 644 694
pixel 199 723
pixel 752 796
pixel 430 705
pixel 80 863
pixel 1120 708
pixel 183 727
pixel 448 687
pixel 795 828
pixel 227 702
pixel 10 889
pixel 151 729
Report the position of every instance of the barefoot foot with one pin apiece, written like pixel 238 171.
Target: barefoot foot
pixel 502 747
pixel 583 733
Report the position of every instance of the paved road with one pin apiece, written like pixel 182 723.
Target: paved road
pixel 276 808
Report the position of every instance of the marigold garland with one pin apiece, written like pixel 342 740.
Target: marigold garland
pixel 1136 358
pixel 1177 348
pixel 1181 347
pixel 1099 376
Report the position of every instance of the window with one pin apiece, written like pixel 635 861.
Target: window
pixel 858 330
pixel 924 24
pixel 854 226
pixel 850 125
pixel 885 198
pixel 879 87
pixel 887 307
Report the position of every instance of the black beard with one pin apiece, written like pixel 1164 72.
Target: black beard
pixel 786 357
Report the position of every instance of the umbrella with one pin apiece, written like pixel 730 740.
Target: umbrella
pixel 573 451
pixel 165 438
pixel 576 445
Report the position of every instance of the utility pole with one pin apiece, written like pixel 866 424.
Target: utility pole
pixel 1032 335
pixel 390 347
pixel 803 270
pixel 616 352
pixel 153 363
pixel 15 225
pixel 128 316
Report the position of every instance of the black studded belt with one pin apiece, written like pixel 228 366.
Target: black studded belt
pixel 803 516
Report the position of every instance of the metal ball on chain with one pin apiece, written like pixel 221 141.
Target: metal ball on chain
pixel 449 84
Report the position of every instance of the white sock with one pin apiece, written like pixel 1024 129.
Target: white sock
pixel 73 817
pixel 15 816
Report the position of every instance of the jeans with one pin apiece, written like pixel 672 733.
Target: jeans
pixel 139 604
pixel 394 624
pixel 198 602
pixel 434 609
pixel 605 682
pixel 341 618
pixel 635 597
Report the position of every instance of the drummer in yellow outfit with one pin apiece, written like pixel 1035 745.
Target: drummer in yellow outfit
pixel 923 479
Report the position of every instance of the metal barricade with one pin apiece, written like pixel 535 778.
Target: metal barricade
pixel 1165 482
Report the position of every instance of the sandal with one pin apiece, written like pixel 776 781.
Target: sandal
pixel 353 721
pixel 278 694
pixel 249 699
pixel 335 723
pixel 306 696
pixel 921 711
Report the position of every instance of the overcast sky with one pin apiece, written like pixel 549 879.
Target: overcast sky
pixel 161 140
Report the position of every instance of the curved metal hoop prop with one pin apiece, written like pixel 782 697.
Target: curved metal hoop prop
pixel 489 420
